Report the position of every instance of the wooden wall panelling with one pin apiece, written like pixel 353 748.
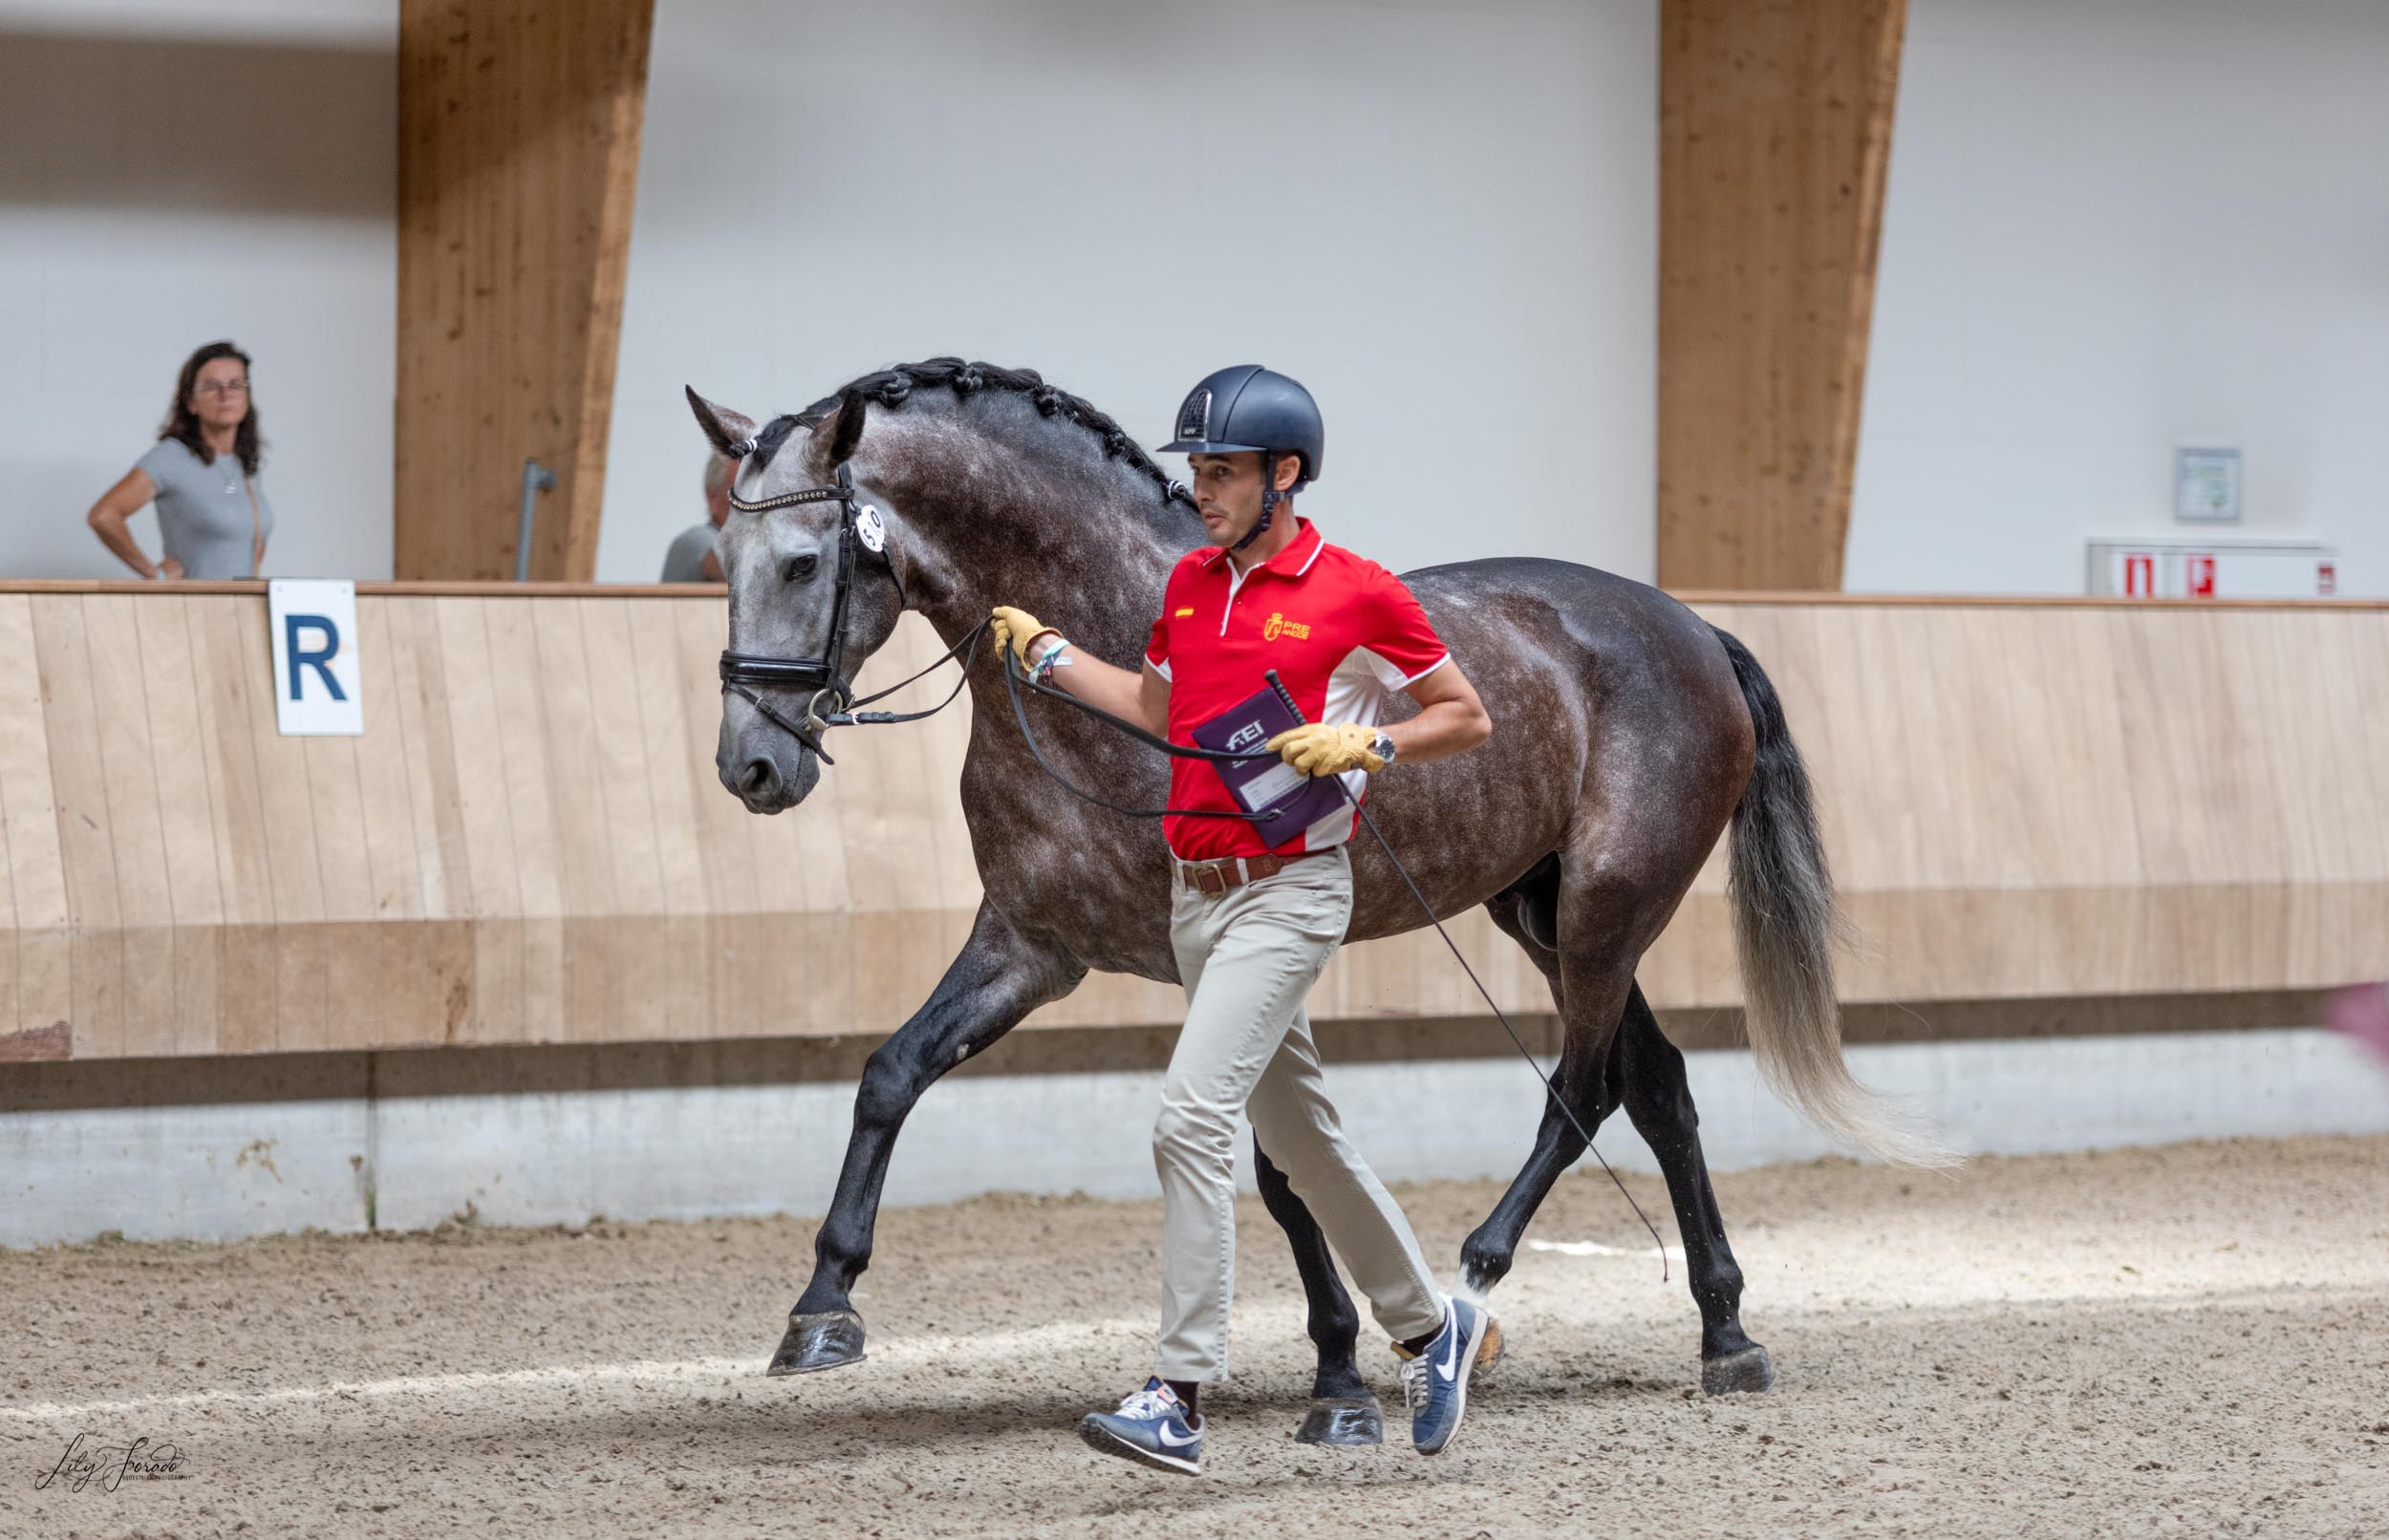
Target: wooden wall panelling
pixel 393 939
pixel 631 835
pixel 2018 802
pixel 518 157
pixel 144 902
pixel 248 949
pixel 293 864
pixel 2078 817
pixel 680 938
pixel 545 820
pixel 79 793
pixel 41 1004
pixel 442 856
pixel 1775 127
pixel 170 707
pixel 486 820
pixel 353 1001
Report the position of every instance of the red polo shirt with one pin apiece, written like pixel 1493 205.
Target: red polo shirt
pixel 1342 634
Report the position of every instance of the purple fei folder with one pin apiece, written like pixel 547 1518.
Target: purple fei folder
pixel 1268 781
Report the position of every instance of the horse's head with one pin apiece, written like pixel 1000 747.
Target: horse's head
pixel 809 600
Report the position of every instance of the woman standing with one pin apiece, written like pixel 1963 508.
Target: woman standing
pixel 202 474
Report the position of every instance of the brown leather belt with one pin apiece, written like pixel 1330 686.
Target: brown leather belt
pixel 1219 877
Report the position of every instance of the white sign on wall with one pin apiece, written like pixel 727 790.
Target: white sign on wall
pixel 316 676
pixel 2206 485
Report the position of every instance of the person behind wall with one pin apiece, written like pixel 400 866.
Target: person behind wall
pixel 692 558
pixel 203 475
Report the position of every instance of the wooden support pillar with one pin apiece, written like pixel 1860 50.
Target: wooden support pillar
pixel 518 156
pixel 1775 127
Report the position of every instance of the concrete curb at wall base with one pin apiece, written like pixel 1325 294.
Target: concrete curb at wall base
pixel 343 1156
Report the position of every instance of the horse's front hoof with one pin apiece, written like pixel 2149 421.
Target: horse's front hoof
pixel 1347 1421
pixel 829 1340
pixel 1488 1351
pixel 1749 1370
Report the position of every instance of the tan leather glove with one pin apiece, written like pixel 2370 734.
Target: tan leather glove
pixel 1318 749
pixel 1016 628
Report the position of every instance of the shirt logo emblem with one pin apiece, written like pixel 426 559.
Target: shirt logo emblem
pixel 1277 625
pixel 1181 615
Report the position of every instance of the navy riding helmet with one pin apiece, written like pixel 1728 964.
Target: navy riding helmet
pixel 1248 408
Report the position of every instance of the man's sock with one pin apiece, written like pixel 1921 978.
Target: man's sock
pixel 1416 1345
pixel 1187 1391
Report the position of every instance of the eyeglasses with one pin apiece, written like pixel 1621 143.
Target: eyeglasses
pixel 221 387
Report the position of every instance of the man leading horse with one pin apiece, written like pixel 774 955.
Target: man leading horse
pixel 1256 908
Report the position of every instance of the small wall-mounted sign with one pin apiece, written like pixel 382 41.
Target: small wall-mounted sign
pixel 2206 485
pixel 316 676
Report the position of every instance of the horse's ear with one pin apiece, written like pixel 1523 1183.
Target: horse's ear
pixel 724 428
pixel 848 429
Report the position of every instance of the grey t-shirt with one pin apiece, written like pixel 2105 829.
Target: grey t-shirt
pixel 203 514
pixel 685 561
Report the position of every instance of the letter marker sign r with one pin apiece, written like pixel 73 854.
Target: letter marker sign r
pixel 315 658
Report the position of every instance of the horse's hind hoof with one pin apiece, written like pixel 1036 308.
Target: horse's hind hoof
pixel 1748 1371
pixel 1350 1423
pixel 830 1340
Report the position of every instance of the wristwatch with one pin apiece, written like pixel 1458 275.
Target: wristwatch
pixel 1382 745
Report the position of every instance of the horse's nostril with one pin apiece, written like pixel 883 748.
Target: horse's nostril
pixel 759 779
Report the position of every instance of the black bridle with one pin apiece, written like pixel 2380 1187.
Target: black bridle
pixel 860 528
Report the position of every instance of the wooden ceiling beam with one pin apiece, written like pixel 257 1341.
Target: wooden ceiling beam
pixel 1775 129
pixel 518 158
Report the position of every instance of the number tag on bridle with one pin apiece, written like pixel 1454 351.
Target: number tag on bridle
pixel 870 529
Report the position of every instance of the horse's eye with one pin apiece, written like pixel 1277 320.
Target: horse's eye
pixel 797 568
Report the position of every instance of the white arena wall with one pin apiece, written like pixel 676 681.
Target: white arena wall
pixel 2112 226
pixel 333 1149
pixel 1443 219
pixel 172 173
pixel 2109 226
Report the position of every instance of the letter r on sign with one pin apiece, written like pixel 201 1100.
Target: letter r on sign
pixel 317 659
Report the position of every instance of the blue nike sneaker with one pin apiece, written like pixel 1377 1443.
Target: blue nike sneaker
pixel 1150 1427
pixel 1434 1384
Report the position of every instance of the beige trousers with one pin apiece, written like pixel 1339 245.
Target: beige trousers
pixel 1248 958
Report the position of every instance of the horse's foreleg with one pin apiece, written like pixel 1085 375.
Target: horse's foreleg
pixel 1343 1409
pixel 1591 1091
pixel 999 977
pixel 1660 1101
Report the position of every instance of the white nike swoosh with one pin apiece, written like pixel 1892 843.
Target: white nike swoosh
pixel 1163 1434
pixel 1450 1363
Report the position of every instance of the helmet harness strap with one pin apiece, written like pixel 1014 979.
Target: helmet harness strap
pixel 1269 497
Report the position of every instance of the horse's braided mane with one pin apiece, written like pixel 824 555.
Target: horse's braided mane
pixel 894 387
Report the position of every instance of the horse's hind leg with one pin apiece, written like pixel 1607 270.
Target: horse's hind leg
pixel 1343 1409
pixel 1660 1101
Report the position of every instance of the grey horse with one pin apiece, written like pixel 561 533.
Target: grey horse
pixel 1631 735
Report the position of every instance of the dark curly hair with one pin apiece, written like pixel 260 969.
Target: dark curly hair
pixel 183 423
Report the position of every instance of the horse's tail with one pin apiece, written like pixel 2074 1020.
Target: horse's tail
pixel 1786 926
